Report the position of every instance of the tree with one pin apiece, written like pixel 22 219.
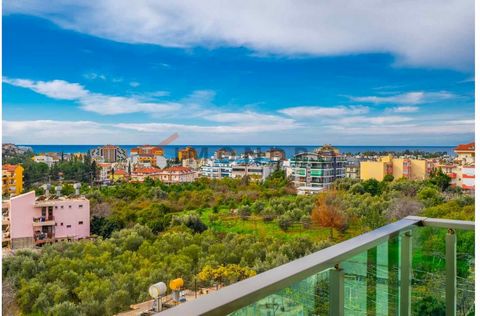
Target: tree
pixel 230 273
pixel 328 211
pixel 430 196
pixel 388 178
pixel 372 186
pixel 284 222
pixel 402 207
pixel 440 179
pixel 268 214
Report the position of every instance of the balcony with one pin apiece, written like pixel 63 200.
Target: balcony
pixel 43 221
pixel 383 272
pixel 44 237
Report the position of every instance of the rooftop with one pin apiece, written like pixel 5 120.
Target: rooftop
pixel 465 147
pixel 9 167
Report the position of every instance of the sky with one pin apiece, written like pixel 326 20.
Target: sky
pixel 239 72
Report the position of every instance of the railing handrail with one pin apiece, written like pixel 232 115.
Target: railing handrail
pixel 243 293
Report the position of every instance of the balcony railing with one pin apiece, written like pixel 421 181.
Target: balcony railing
pixel 381 272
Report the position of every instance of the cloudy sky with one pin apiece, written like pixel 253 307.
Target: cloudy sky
pixel 345 72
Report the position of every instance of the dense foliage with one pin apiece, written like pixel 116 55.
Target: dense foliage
pixel 221 231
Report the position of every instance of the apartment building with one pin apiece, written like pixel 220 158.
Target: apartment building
pixel 12 179
pixel 462 171
pixel 254 171
pixel 108 153
pixel 465 154
pixel 148 156
pixel 317 169
pixel 352 170
pixel 177 174
pixel 49 160
pixel 187 153
pixel 415 169
pixel 275 154
pixel 29 221
pixel 141 173
pixel 217 168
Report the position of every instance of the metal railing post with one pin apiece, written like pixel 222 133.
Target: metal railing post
pixel 451 272
pixel 337 276
pixel 405 274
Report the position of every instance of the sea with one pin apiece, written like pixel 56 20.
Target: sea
pixel 206 151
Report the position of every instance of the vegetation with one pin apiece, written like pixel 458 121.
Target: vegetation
pixel 220 231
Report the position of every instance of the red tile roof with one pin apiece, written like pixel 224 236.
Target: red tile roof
pixel 120 172
pixel 9 167
pixel 178 169
pixel 147 170
pixel 465 147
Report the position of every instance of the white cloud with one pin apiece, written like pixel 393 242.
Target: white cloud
pixel 417 97
pixel 94 102
pixel 89 132
pixel 445 128
pixel 94 75
pixel 134 84
pixel 403 109
pixel 375 120
pixel 427 33
pixel 112 105
pixel 56 89
pixel 316 112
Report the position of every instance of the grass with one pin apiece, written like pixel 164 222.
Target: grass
pixel 228 223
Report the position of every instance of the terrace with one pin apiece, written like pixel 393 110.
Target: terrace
pixel 381 272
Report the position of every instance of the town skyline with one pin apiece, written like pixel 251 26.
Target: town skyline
pixel 229 87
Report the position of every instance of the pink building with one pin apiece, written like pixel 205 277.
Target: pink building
pixel 28 221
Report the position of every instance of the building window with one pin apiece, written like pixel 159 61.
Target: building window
pixel 80 223
pixel 56 207
pixel 61 224
pixel 69 206
pixel 69 226
pixel 81 205
pixel 61 206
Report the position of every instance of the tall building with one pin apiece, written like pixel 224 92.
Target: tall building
pixel 318 169
pixel 109 153
pixel 12 179
pixel 414 169
pixel 28 221
pixel 187 153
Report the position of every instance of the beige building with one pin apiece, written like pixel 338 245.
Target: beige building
pixel 415 169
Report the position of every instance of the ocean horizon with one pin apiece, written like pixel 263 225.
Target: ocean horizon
pixel 206 151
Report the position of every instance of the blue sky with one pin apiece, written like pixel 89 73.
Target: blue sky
pixel 83 73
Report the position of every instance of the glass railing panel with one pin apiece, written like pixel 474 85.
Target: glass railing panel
pixel 307 297
pixel 428 271
pixel 465 273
